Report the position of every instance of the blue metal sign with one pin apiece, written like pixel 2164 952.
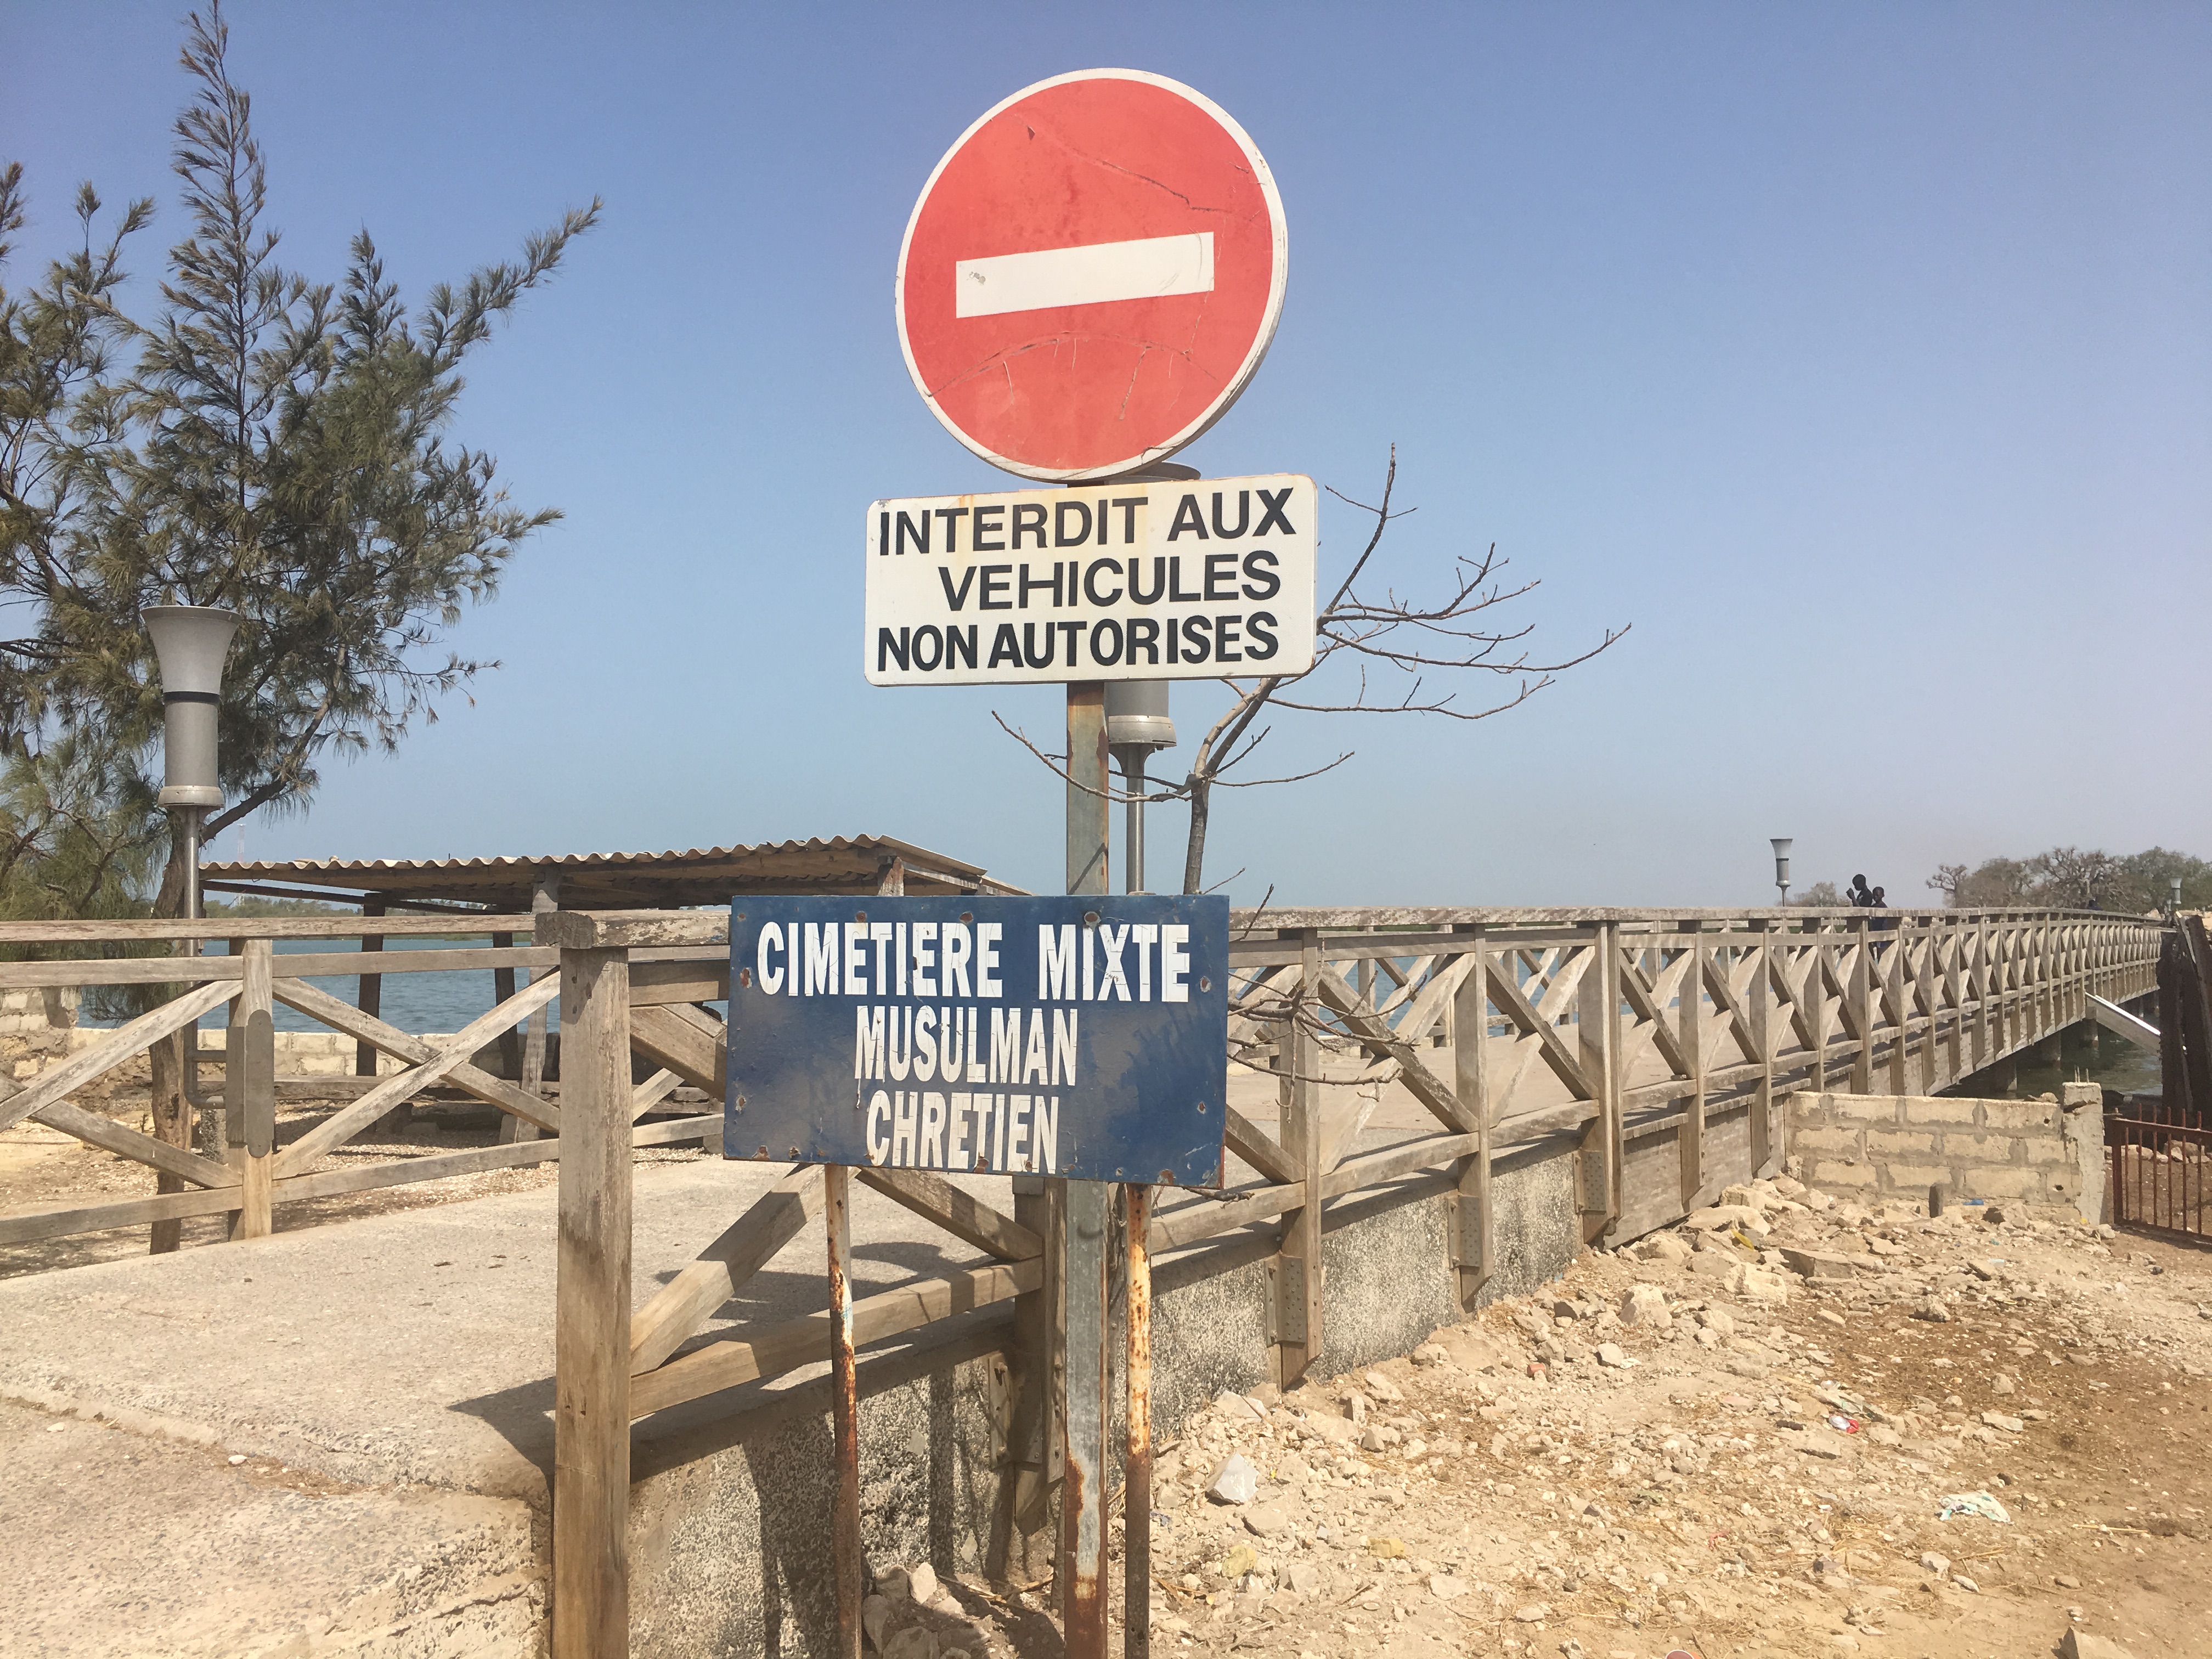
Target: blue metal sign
pixel 1084 1038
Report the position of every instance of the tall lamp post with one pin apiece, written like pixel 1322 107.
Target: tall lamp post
pixel 1782 865
pixel 191 642
pixel 2173 899
pixel 1137 723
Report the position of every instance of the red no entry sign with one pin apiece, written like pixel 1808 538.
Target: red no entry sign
pixel 1092 275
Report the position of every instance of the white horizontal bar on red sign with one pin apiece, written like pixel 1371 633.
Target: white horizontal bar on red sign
pixel 1148 268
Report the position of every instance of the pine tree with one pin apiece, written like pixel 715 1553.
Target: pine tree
pixel 260 442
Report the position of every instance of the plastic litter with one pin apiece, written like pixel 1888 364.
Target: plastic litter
pixel 1843 1424
pixel 1972 1503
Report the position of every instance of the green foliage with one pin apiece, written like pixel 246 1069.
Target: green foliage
pixel 248 906
pixel 274 446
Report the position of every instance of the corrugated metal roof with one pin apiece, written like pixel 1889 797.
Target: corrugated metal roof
pixel 616 881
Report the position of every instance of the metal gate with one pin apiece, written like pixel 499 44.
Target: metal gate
pixel 2159 1157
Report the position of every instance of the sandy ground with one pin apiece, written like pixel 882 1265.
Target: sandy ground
pixel 1758 1464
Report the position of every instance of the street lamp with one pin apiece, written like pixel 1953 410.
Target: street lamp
pixel 1782 865
pixel 2174 902
pixel 189 642
pixel 1137 723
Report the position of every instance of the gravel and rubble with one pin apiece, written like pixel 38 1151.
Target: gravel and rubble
pixel 1792 1424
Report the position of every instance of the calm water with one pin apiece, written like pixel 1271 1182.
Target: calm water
pixel 442 1001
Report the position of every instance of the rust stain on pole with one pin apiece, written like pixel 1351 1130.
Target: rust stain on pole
pixel 845 1519
pixel 1137 1465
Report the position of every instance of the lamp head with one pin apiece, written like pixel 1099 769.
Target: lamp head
pixel 189 642
pixel 1137 715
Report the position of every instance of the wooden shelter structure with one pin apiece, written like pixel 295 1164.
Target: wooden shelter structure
pixel 610 881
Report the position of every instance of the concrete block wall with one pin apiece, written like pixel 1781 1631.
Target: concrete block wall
pixel 2042 1151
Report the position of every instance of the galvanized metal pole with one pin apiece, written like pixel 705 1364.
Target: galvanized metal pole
pixel 1081 1573
pixel 1137 1459
pixel 845 1410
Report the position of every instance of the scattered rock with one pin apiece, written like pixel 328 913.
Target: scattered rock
pixel 1446 1587
pixel 1386 1549
pixel 1610 1355
pixel 1721 1216
pixel 1239 1561
pixel 2080 1644
pixel 1235 1482
pixel 915 1642
pixel 1355 1407
pixel 1646 1304
pixel 1236 1407
pixel 1937 1564
pixel 1966 1584
pixel 1262 1519
pixel 1932 1309
pixel 1429 1353
pixel 1535 1612
pixel 1338 1430
pixel 1999 1420
pixel 1667 1247
pixel 1719 1320
pixel 921 1583
pixel 1757 1284
pixel 1304 1579
pixel 1383 1388
pixel 2001 1384
pixel 875 1614
pixel 1822 1264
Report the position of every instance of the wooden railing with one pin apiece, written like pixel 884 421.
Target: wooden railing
pixel 1605 1028
pixel 252 1171
pixel 1610 1026
pixel 1600 1032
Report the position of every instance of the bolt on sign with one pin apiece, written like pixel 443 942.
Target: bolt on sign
pixel 1077 1037
pixel 1092 275
pixel 1152 580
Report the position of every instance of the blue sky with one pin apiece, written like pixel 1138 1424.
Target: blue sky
pixel 1857 356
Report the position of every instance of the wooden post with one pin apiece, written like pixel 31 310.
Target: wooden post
pixel 845 1411
pixel 1954 993
pixel 370 997
pixel 1931 1062
pixel 503 989
pixel 233 1073
pixel 1296 1271
pixel 250 1081
pixel 1815 998
pixel 1137 1459
pixel 1759 1013
pixel 1690 1037
pixel 1597 1160
pixel 1471 1240
pixel 545 897
pixel 1894 972
pixel 1863 1005
pixel 591 1340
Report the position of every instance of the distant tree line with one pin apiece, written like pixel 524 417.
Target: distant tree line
pixel 2065 878
pixel 2079 879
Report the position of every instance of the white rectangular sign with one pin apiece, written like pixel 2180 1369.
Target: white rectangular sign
pixel 1187 579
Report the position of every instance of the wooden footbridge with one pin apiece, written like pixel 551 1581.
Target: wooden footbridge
pixel 1645 1052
